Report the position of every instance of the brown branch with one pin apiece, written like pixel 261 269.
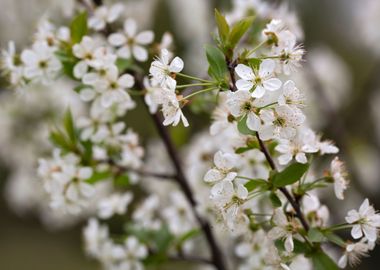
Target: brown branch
pixel 216 254
pixel 295 204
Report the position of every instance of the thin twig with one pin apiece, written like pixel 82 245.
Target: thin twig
pixel 295 204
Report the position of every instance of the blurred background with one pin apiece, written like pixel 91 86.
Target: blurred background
pixel 341 76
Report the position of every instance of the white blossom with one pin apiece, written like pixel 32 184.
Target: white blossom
pixel 162 71
pixel 104 15
pixel 353 253
pixel 130 43
pixel 365 221
pixel 339 175
pixel 283 229
pixel 258 83
pixel 114 204
pixel 41 65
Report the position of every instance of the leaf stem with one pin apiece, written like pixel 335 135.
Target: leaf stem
pixel 193 84
pixel 256 48
pixel 198 92
pixel 193 78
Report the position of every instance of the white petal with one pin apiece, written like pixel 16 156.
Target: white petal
pixel 272 84
pixel 176 65
pixel 86 190
pixel 242 191
pixel 253 122
pixel 140 53
pixel 370 232
pixel 80 69
pixel 124 52
pixel 213 175
pixel 301 158
pixel 266 68
pixel 285 159
pixel 130 27
pixel 87 94
pixel 258 92
pixel 126 81
pixel 356 232
pixel 144 38
pixel 289 245
pixel 244 85
pixel 244 72
pixel 117 39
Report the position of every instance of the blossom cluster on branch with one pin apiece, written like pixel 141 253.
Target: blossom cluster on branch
pixel 246 191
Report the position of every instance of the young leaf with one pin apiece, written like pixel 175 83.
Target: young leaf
pixel 290 174
pixel 122 181
pixel 223 27
pixel 68 124
pixel 315 235
pixel 332 237
pixel 242 127
pixel 239 29
pixel 99 176
pixel 78 27
pixel 323 262
pixel 59 140
pixel 217 64
pixel 275 200
pixel 255 183
pixel 122 64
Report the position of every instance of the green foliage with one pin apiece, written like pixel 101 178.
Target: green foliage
pixel 275 200
pixel 223 27
pixel 78 27
pixel 239 29
pixel 289 175
pixel 251 144
pixel 332 237
pixel 299 247
pixel 123 64
pixel 68 62
pixel 217 63
pixel 122 181
pixel 99 176
pixel 323 262
pixel 242 126
pixel 229 36
pixel 68 124
pixel 315 235
pixel 253 184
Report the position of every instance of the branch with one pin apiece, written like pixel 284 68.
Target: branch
pixel 295 204
pixel 216 254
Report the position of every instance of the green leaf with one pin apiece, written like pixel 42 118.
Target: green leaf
pixel 78 27
pixel 59 140
pixel 187 236
pixel 315 235
pixel 242 126
pixel 223 27
pixel 99 176
pixel 250 145
pixel 255 183
pixel 290 174
pixel 68 124
pixel 123 64
pixel 275 200
pixel 321 261
pixel 217 63
pixel 122 180
pixel 332 237
pixel 299 247
pixel 239 29
pixel 81 87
